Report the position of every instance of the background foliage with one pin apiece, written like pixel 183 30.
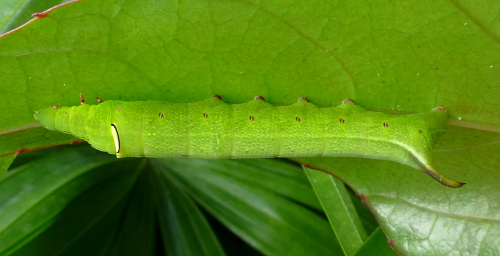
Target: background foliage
pixel 405 56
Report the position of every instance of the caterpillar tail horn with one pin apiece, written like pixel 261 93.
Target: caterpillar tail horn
pixel 441 178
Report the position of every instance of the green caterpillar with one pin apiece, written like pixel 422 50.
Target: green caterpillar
pixel 256 129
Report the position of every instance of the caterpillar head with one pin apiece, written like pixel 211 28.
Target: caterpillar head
pixel 47 117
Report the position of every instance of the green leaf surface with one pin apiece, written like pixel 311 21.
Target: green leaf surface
pixel 39 199
pixel 376 245
pixel 14 13
pixel 122 205
pixel 271 220
pixel 4 164
pixel 393 56
pixel 340 210
pixel 184 229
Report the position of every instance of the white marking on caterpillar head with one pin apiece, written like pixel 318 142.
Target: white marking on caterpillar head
pixel 116 139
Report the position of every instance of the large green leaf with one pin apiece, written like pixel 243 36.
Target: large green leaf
pixel 406 56
pixel 51 203
pixel 127 206
pixel 273 222
pixel 14 13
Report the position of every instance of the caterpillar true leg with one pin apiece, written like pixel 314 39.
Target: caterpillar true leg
pixel 217 96
pixel 82 99
pixel 259 98
pixel 348 101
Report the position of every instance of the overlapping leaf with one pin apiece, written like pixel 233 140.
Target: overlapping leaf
pixel 408 56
